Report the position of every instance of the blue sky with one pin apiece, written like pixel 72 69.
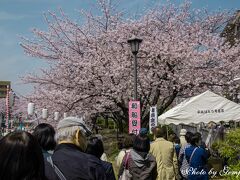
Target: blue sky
pixel 18 17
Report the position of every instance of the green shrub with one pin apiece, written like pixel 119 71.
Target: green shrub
pixel 100 121
pixel 230 149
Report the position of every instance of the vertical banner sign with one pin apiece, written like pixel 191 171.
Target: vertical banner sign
pixel 152 118
pixel 7 109
pixel 134 117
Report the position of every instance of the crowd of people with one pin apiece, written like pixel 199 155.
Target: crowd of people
pixel 165 158
pixel 71 153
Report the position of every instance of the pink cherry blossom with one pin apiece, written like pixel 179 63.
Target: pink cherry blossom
pixel 91 65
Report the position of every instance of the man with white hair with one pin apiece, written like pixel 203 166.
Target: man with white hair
pixel 69 159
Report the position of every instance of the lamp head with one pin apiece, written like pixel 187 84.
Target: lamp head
pixel 134 43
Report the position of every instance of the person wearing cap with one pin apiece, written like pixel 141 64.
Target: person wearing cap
pixel 183 163
pixel 69 158
pixel 182 134
pixel 143 131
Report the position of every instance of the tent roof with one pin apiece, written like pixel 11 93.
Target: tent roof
pixel 206 107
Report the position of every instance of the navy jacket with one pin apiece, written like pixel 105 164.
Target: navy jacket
pixel 198 169
pixel 77 165
pixel 109 170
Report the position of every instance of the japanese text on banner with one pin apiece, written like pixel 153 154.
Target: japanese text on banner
pixel 152 118
pixel 134 117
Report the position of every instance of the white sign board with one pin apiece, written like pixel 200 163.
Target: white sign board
pixel 153 118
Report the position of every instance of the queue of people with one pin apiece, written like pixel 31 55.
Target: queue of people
pixel 171 158
pixel 25 156
pixel 69 154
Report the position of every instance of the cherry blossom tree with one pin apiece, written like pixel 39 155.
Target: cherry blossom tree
pixel 17 109
pixel 91 70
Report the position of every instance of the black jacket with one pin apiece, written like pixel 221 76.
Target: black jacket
pixel 109 170
pixel 77 165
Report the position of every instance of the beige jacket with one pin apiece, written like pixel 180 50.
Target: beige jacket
pixel 167 163
pixel 120 156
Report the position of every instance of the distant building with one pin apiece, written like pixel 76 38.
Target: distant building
pixel 3 88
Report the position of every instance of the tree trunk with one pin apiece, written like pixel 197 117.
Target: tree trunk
pixel 106 122
pixel 145 120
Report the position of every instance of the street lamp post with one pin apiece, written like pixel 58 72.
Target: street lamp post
pixel 135 43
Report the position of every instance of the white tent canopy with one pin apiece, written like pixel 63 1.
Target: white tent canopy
pixel 206 107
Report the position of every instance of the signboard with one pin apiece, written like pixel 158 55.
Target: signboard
pixel 134 117
pixel 152 118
